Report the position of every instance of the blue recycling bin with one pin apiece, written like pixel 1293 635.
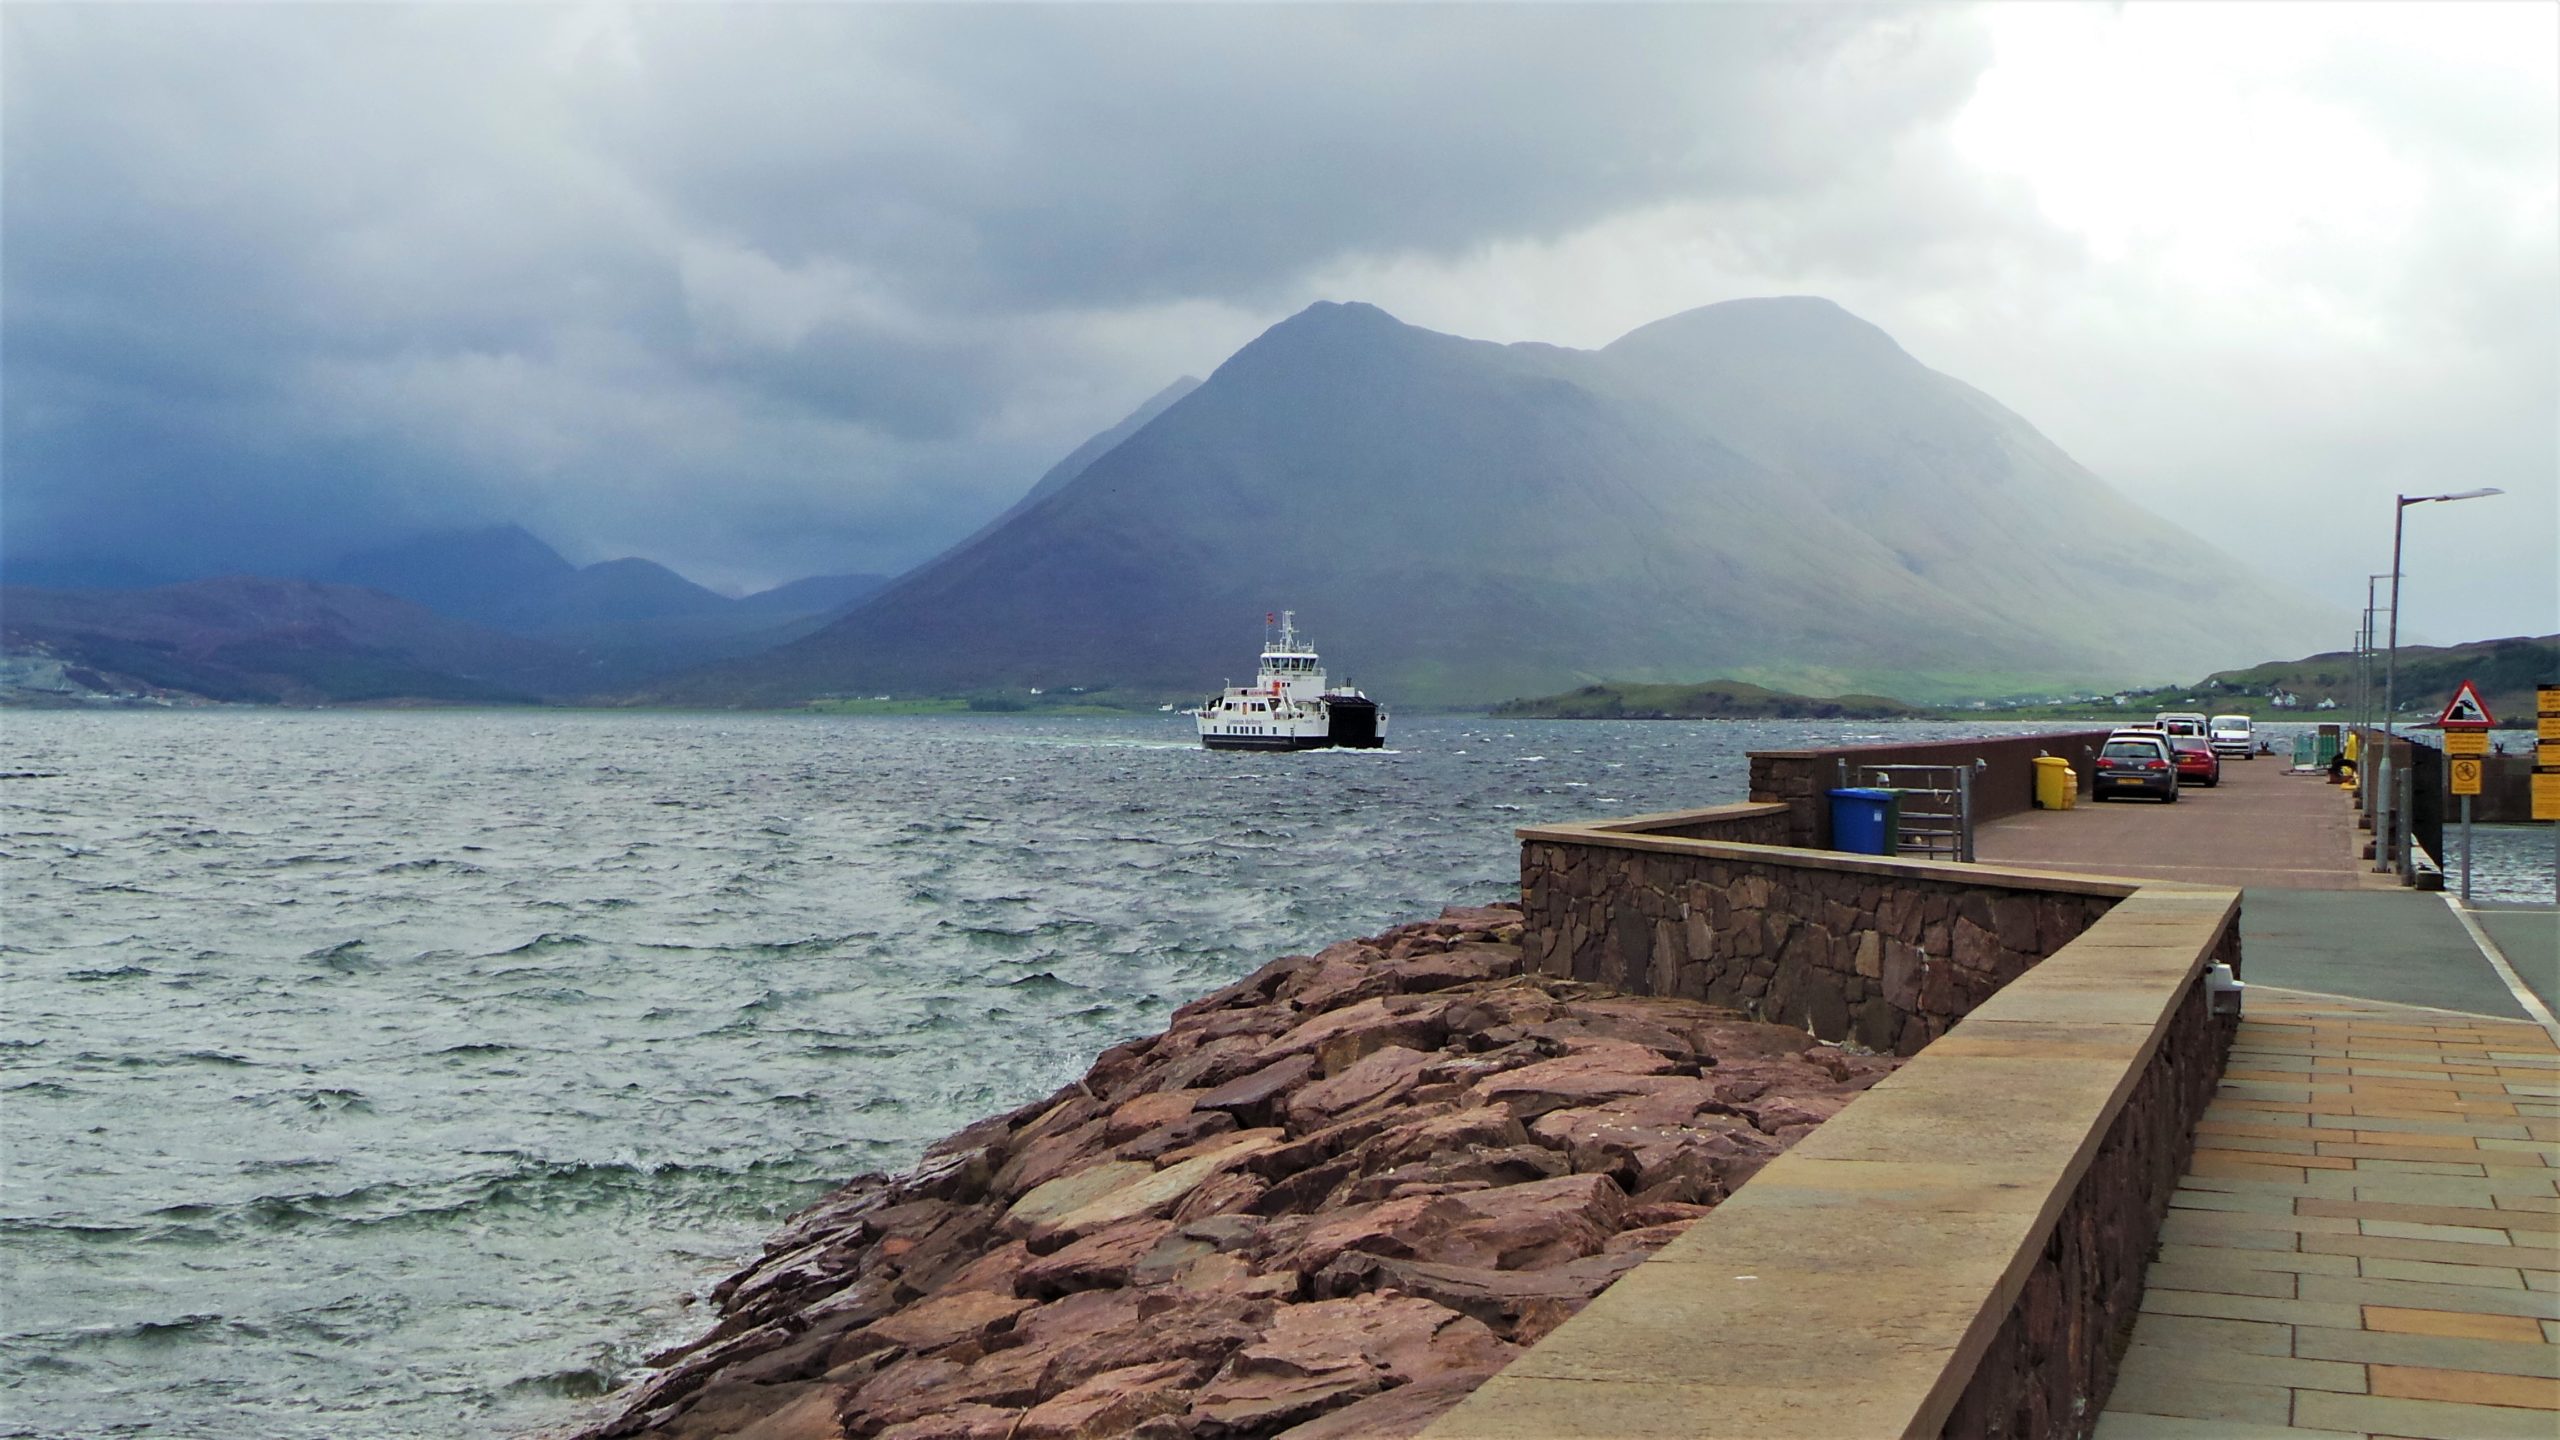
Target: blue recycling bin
pixel 1863 821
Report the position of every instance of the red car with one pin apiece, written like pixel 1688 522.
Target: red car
pixel 2197 763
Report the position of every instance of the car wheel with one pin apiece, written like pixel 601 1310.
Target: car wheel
pixel 2169 799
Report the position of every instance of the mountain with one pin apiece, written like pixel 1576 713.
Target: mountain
pixel 1770 490
pixel 500 576
pixel 1081 458
pixel 246 638
pixel 814 595
pixel 623 622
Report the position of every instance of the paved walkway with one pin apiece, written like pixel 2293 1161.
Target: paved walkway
pixel 2368 1243
pixel 2314 916
pixel 2261 827
pixel 2530 936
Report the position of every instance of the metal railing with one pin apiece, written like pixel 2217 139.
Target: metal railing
pixel 1936 813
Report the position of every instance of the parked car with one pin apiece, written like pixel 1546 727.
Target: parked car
pixel 2135 760
pixel 2182 722
pixel 2196 760
pixel 2233 735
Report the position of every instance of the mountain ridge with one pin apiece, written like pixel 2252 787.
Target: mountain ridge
pixel 257 639
pixel 1771 490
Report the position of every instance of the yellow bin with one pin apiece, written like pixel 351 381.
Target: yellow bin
pixel 2057 784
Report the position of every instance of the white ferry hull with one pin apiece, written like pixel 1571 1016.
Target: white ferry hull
pixel 1290 707
pixel 1265 742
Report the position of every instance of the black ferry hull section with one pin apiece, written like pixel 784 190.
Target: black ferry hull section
pixel 1353 722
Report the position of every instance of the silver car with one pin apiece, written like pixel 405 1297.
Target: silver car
pixel 2135 760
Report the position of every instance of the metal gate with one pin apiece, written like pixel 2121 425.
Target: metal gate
pixel 1936 809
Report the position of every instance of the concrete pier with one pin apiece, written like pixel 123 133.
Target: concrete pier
pixel 2367 1242
pixel 2316 916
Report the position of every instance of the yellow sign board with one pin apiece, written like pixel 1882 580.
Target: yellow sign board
pixel 2546 727
pixel 2465 774
pixel 2466 742
pixel 2547 753
pixel 2546 698
pixel 2546 795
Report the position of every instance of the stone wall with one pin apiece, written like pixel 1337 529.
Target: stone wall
pixel 1886 953
pixel 2053 1361
pixel 1801 780
pixel 1961 1251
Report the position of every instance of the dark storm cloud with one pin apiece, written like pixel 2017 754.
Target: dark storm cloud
pixel 763 290
pixel 1100 156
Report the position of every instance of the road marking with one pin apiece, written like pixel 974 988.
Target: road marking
pixel 2273 991
pixel 2497 959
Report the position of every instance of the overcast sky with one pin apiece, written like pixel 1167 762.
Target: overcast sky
pixel 764 291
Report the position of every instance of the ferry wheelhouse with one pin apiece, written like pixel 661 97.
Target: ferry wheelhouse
pixel 1289 706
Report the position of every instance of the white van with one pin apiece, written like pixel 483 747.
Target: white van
pixel 2182 722
pixel 2233 735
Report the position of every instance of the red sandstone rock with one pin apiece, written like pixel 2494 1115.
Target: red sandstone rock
pixel 1072 1191
pixel 1224 1193
pixel 1396 1414
pixel 963 1422
pixel 1603 1070
pixel 1382 1075
pixel 1258 1098
pixel 1481 1128
pixel 1450 1172
pixel 1143 1113
pixel 948 1319
pixel 1119 1259
pixel 992 1272
pixel 1100 1260
pixel 1200 1330
pixel 1037 1162
pixel 1124 1197
pixel 1339 1037
pixel 1318 1355
pixel 1541 1223
pixel 1111 1403
pixel 1189 1133
pixel 1394 1227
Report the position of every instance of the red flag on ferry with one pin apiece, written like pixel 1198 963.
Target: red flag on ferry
pixel 1270 617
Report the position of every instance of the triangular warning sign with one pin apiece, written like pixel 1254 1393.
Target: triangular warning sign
pixel 2465 711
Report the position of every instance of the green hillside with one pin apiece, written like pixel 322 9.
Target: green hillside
pixel 1711 700
pixel 2327 686
pixel 2506 672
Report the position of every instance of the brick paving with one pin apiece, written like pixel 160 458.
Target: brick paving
pixel 2262 827
pixel 2368 1241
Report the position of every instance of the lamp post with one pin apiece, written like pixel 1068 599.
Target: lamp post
pixel 2364 702
pixel 2395 822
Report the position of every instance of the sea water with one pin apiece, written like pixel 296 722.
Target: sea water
pixel 404 1074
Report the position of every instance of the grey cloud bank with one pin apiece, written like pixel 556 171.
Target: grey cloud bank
pixel 766 291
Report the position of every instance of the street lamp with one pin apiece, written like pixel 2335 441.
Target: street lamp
pixel 2385 853
pixel 2364 698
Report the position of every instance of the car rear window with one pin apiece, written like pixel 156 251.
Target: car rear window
pixel 2131 750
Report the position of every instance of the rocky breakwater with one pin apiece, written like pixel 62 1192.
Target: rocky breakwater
pixel 1328 1201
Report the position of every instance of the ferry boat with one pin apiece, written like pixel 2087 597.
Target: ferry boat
pixel 1289 706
